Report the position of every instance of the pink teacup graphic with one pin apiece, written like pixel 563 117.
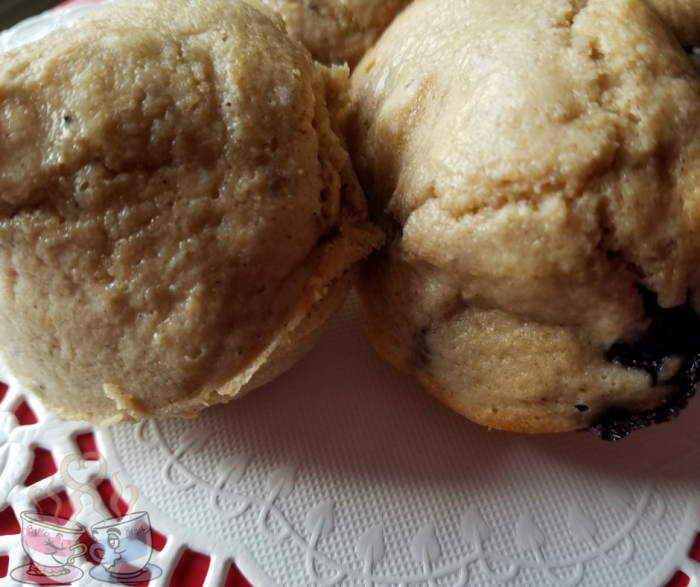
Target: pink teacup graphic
pixel 124 548
pixel 51 542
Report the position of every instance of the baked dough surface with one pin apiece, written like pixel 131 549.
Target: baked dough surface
pixel 177 213
pixel 682 16
pixel 533 170
pixel 337 31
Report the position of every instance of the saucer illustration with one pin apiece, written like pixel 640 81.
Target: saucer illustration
pixel 22 575
pixel 148 573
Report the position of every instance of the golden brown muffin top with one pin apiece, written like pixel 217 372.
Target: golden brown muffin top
pixel 535 165
pixel 167 172
pixel 547 160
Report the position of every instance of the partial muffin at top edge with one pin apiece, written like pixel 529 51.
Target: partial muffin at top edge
pixel 334 31
pixel 178 214
pixel 682 17
pixel 537 174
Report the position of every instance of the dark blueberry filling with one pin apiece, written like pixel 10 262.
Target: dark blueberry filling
pixel 694 54
pixel 674 333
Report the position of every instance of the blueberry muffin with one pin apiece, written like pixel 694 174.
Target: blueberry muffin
pixel 336 31
pixel 537 173
pixel 178 214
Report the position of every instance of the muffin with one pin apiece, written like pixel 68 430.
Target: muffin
pixel 537 173
pixel 335 31
pixel 682 16
pixel 178 214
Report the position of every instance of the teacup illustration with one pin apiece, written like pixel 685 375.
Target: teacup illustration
pixel 124 548
pixel 51 542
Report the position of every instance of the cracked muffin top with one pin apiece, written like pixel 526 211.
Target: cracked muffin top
pixel 175 206
pixel 534 169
